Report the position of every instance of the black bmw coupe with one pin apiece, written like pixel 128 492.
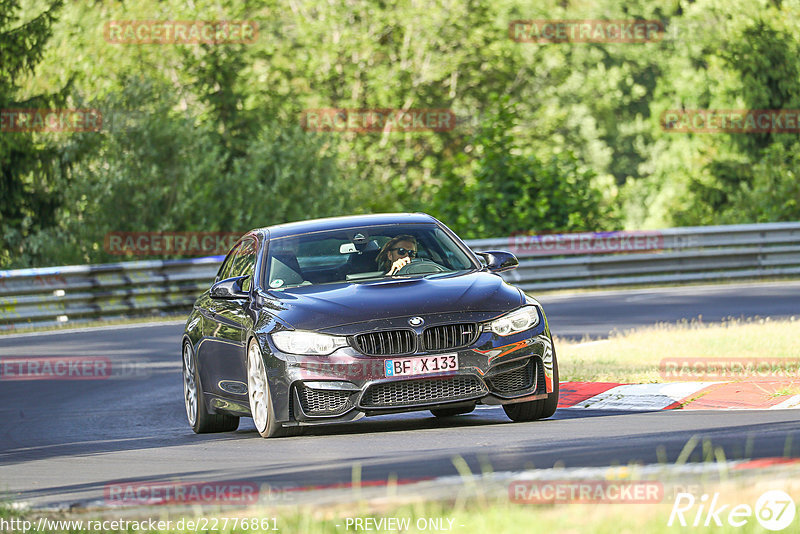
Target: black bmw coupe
pixel 328 320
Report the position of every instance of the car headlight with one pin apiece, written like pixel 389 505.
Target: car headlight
pixel 311 343
pixel 517 321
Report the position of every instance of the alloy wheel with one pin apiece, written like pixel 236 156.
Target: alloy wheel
pixel 189 385
pixel 257 387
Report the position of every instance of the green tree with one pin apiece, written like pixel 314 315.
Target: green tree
pixel 508 191
pixel 721 54
pixel 29 166
pixel 774 192
pixel 158 169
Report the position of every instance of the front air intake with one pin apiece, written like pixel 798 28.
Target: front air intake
pixel 386 343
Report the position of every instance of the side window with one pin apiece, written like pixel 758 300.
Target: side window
pixel 244 262
pixel 227 265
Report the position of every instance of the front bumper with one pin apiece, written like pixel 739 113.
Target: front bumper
pixel 348 385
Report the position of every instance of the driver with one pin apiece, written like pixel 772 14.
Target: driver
pixel 396 253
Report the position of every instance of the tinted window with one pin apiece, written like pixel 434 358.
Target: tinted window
pixel 225 270
pixel 355 254
pixel 244 262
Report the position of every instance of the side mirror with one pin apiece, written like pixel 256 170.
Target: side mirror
pixel 498 261
pixel 230 288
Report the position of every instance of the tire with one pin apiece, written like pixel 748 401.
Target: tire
pixel 200 420
pixel 450 412
pixel 261 407
pixel 538 409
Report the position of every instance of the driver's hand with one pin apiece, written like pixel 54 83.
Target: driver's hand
pixel 396 266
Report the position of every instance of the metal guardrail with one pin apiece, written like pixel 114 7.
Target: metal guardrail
pixel 55 295
pixel 80 293
pixel 678 255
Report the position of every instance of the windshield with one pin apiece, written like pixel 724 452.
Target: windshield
pixel 363 253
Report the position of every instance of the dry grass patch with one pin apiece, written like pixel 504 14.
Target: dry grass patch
pixel 634 356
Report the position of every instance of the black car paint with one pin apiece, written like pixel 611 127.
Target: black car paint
pixel 220 330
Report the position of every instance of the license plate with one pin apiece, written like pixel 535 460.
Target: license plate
pixel 421 366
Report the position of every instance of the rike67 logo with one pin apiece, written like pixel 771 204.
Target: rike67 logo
pixel 774 510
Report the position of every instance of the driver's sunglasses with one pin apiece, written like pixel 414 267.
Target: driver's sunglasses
pixel 403 251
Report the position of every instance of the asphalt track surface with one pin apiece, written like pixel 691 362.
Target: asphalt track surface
pixel 62 442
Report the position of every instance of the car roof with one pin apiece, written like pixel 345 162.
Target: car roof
pixel 335 223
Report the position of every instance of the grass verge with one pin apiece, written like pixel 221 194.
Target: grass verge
pixel 634 355
pixel 458 515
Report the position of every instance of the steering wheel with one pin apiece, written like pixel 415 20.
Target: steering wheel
pixel 421 266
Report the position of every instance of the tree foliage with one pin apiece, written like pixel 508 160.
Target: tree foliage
pixel 549 137
pixel 29 167
pixel 507 190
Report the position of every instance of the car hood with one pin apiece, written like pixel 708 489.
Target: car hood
pixel 330 305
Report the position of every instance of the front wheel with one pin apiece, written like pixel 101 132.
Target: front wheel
pixel 261 407
pixel 538 409
pixel 200 420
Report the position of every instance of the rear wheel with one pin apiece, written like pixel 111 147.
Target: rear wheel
pixel 538 409
pixel 450 412
pixel 200 420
